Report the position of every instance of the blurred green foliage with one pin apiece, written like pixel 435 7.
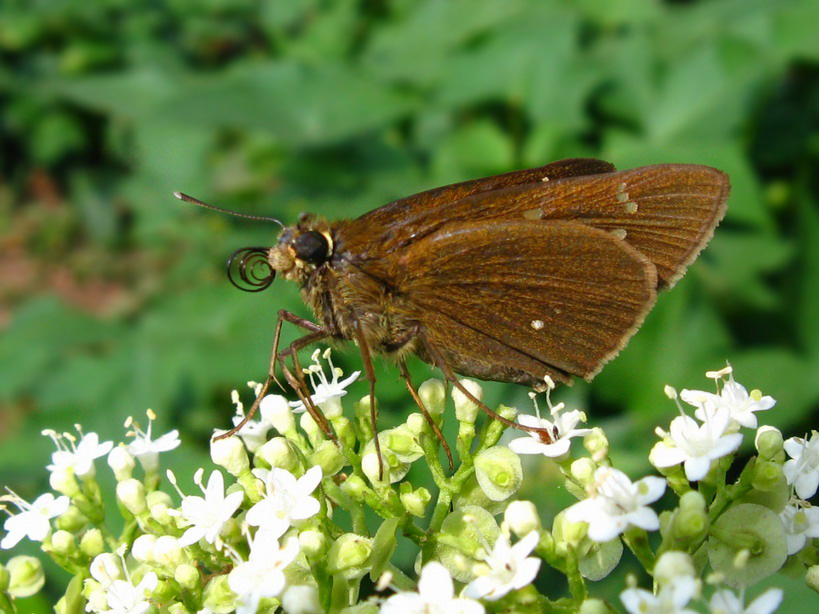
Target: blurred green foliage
pixel 112 293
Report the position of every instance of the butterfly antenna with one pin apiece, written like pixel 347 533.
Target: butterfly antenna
pixel 199 203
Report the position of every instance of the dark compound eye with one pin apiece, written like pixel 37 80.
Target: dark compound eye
pixel 312 247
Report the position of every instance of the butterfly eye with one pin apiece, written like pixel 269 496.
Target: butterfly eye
pixel 312 247
pixel 248 268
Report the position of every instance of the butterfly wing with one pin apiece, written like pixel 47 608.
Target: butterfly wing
pixel 515 300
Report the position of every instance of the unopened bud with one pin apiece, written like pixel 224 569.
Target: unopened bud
pixel 121 462
pixel 187 576
pixel 673 564
pixel 522 518
pixel 433 396
pixel 231 454
pixel 768 442
pixel 63 543
pixel 132 495
pixel 26 576
pixel 328 457
pixel 349 555
pixel 466 410
pixel 276 412
pixel 92 543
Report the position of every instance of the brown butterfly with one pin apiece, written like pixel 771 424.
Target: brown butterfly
pixel 540 272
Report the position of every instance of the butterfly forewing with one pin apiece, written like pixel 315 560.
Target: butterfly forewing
pixel 516 300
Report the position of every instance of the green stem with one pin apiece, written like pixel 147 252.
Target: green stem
pixel 637 541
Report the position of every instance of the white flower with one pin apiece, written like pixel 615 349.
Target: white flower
pixel 615 503
pixel 696 445
pixel 733 397
pixel 670 599
pixel 802 470
pixel 726 602
pixel 327 393
pixel 561 428
pixel 287 499
pixel 33 519
pixel 506 568
pixel 125 598
pixel 262 575
pixel 78 458
pixel 147 451
pixel 800 523
pixel 435 595
pixel 208 514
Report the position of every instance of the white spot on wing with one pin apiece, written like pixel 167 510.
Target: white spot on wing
pixel 620 233
pixel 537 324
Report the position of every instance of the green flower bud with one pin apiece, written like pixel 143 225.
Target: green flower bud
pixel 73 520
pixel 767 475
pixel 567 532
pixel 328 457
pixel 393 468
pixel 812 577
pixel 415 501
pixel 433 396
pixel 313 431
pixel 92 543
pixel 692 501
pixel 159 503
pixel 231 454
pixel 499 472
pixel 143 548
pixel 313 544
pixel 345 431
pixel 26 576
pixel 63 543
pixel 121 462
pixel 164 591
pixel 186 575
pixel 349 556
pixel 583 470
pixel 168 552
pixel 276 412
pixel 279 452
pixel 768 442
pixel 594 606
pixel 471 527
pixel 597 444
pixel 673 564
pixel 466 410
pixel 64 481
pixel 218 598
pixel 417 424
pixel 522 518
pixel 131 494
pixel 178 608
pixel 301 599
pixel 403 443
pixel 354 487
pixel 747 544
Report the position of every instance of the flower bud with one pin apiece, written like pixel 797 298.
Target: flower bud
pixel 105 568
pixel 301 599
pixel 73 520
pixel 433 396
pixel 63 543
pixel 345 431
pixel 187 575
pixel 132 495
pixel 594 606
pixel 768 442
pixel 279 452
pixel 417 424
pixel 218 597
pixel 92 543
pixel 671 565
pixel 378 474
pixel 143 548
pixel 466 410
pixel 597 444
pixel 402 442
pixel 64 481
pixel 812 577
pixel 568 532
pixel 230 453
pixel 310 427
pixel 349 555
pixel 767 475
pixel 276 412
pixel 121 462
pixel 415 501
pixel 354 487
pixel 499 472
pixel 328 457
pixel 178 608
pixel 159 503
pixel 521 517
pixel 583 470
pixel 168 552
pixel 26 576
pixel 313 543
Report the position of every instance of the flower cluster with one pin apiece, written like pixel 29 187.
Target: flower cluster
pixel 283 522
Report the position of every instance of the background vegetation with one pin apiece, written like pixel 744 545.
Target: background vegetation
pixel 112 293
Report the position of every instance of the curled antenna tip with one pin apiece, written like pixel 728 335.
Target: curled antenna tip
pixel 179 195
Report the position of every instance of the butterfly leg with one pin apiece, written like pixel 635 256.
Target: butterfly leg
pixel 369 370
pixel 440 362
pixel 402 365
